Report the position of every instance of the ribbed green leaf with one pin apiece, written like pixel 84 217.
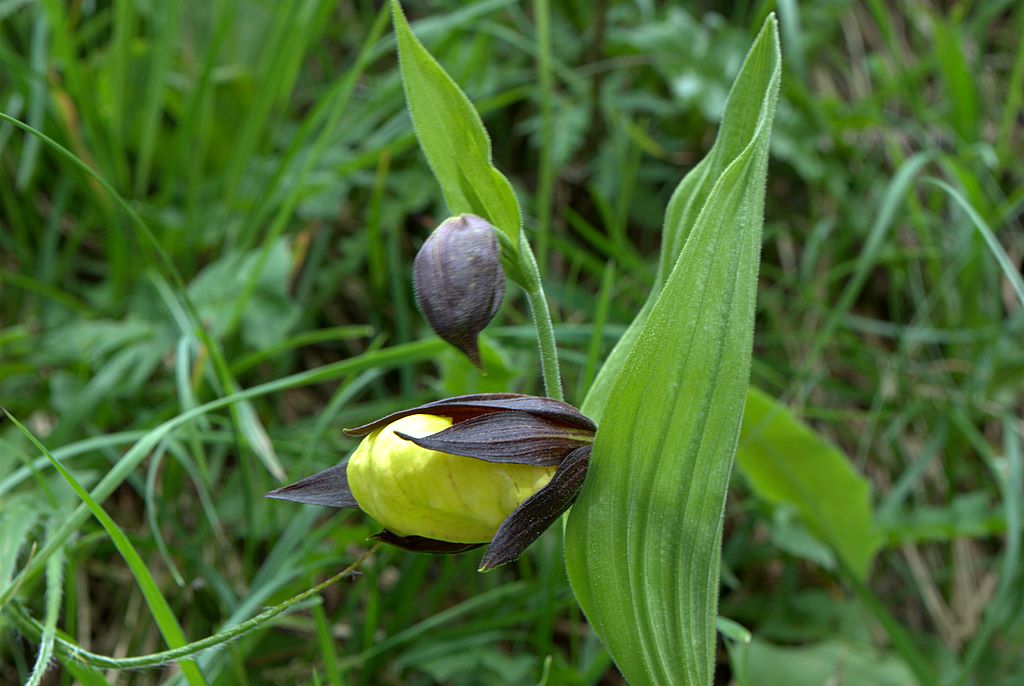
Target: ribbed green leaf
pixel 786 462
pixel 453 137
pixel 643 541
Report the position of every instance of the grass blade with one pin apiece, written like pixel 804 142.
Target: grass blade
pixel 395 356
pixel 158 605
pixel 1005 263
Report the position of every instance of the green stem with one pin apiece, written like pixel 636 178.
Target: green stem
pixel 534 288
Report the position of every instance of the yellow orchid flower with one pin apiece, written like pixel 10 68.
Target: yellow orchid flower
pixel 455 474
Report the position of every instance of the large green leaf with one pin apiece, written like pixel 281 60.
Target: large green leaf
pixel 643 541
pixel 787 463
pixel 453 137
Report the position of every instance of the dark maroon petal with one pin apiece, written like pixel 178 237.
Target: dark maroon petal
pixel 463 407
pixel 418 544
pixel 507 437
pixel 537 513
pixel 329 488
pixel 459 282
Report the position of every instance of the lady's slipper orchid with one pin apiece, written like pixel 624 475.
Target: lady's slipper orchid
pixel 451 475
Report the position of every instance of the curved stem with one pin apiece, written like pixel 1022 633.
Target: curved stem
pixel 534 288
pixel 71 651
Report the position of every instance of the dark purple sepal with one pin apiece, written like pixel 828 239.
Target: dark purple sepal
pixel 538 512
pixel 463 407
pixel 507 437
pixel 419 544
pixel 328 488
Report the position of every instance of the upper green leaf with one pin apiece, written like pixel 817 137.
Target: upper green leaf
pixel 453 137
pixel 643 541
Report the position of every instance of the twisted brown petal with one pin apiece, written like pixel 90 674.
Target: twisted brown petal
pixel 463 407
pixel 507 437
pixel 539 511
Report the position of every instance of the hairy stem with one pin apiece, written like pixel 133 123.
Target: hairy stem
pixel 534 288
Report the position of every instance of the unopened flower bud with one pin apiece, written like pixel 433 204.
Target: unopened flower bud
pixel 459 282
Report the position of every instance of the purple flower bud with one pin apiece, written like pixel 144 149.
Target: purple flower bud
pixel 459 281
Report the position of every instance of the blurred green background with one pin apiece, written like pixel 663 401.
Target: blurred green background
pixel 266 155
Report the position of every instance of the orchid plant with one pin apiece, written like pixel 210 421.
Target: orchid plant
pixel 647 458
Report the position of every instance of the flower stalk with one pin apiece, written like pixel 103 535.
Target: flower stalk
pixel 534 287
